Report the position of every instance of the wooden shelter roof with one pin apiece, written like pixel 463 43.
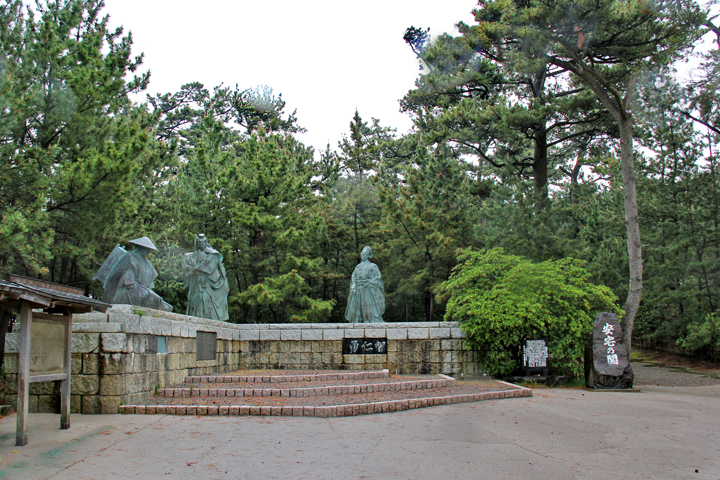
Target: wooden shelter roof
pixel 48 296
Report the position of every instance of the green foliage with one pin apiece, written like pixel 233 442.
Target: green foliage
pixel 703 336
pixel 502 299
pixel 76 156
pixel 428 212
pixel 252 197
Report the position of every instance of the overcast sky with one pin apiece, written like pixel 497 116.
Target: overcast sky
pixel 326 57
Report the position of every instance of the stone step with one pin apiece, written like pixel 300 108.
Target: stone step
pixel 314 377
pixel 441 381
pixel 323 411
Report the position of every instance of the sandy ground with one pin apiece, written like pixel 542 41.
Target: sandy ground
pixel 664 432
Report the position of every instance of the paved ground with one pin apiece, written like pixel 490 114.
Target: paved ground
pixel 664 432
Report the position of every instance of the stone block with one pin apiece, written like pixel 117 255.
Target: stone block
pixel 317 359
pixel 33 404
pixel 75 403
pixel 175 329
pixel 456 332
pixel 90 404
pixel 152 363
pixel 312 334
pixel 302 346
pixel 375 332
pixel 396 333
pixel 418 333
pixel 85 385
pixel 45 388
pixel 290 335
pixel 124 308
pixel 95 317
pixel 112 385
pixel 269 334
pixel 435 356
pixel 192 330
pixel 110 405
pixel 11 384
pixel 96 327
pixel 135 364
pixel 114 342
pixel 354 333
pixel 86 343
pixel 10 364
pixel 439 332
pixel 125 318
pixel 112 363
pixel 90 364
pixel 166 327
pixel 12 344
pixel 354 359
pixel 333 333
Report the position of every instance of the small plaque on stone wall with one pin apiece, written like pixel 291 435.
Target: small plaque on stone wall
pixel 535 355
pixel 364 346
pixel 206 346
pixel 47 346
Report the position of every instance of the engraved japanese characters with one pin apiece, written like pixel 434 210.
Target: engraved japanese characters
pixel 611 365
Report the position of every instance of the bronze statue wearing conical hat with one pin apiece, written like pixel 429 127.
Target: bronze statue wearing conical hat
pixel 144 242
pixel 128 277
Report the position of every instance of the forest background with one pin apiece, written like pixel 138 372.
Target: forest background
pixel 520 140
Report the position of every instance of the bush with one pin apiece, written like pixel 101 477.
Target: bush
pixel 500 300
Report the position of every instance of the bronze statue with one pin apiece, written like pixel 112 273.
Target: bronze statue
pixel 206 281
pixel 366 302
pixel 128 277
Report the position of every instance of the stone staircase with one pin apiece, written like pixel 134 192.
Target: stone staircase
pixel 322 394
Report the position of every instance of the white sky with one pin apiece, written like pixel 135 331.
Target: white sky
pixel 326 57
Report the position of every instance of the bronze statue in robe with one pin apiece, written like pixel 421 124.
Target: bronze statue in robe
pixel 366 302
pixel 206 281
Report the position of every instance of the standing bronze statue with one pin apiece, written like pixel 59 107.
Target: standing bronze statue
pixel 206 281
pixel 366 302
pixel 129 277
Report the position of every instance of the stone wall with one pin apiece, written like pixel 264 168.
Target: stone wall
pixel 123 355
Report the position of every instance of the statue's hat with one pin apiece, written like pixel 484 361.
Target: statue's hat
pixel 144 242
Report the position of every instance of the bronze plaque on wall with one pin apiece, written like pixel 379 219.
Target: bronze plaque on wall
pixel 206 346
pixel 48 339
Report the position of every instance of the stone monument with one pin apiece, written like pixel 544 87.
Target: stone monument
pixel 366 302
pixel 609 365
pixel 128 277
pixel 206 281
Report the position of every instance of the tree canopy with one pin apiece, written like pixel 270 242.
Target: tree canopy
pixel 557 130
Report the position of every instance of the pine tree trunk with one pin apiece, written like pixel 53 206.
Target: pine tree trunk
pixel 633 230
pixel 540 175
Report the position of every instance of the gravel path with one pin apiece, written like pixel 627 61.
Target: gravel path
pixel 650 375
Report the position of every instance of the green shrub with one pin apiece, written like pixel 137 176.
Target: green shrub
pixel 500 300
pixel 703 337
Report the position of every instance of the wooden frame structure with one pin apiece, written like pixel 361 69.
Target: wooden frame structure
pixel 58 303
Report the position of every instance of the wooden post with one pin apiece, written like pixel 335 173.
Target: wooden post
pixel 21 434
pixel 65 384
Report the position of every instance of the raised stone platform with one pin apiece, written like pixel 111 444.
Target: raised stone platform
pixel 329 395
pixel 124 355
